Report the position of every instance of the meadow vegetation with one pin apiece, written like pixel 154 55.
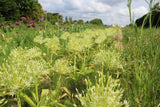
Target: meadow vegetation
pixel 75 64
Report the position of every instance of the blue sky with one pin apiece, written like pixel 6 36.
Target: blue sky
pixel 110 11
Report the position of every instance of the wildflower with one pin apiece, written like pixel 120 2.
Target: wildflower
pixel 100 39
pixel 109 59
pixel 22 69
pixel 33 25
pixel 65 35
pixel 52 43
pixel 56 23
pixel 117 38
pixel 28 25
pixel 23 19
pixel 17 23
pixel 45 10
pixel 12 27
pixel 7 26
pixel 61 17
pixel 62 66
pixel 40 20
pixel 39 39
pixel 2 25
pixel 33 22
pixel 106 93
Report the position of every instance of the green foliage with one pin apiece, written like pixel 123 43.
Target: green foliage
pixel 53 18
pixel 80 21
pixel 38 12
pixel 96 21
pixel 26 7
pixel 14 9
pixel 152 18
pixel 66 19
pixel 9 9
pixel 156 6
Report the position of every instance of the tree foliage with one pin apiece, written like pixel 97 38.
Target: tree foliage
pixel 155 17
pixel 96 21
pixel 14 9
pixel 9 9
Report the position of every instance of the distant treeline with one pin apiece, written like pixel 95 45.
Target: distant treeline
pixel 14 10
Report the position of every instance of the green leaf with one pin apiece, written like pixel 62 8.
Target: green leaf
pixel 27 99
pixel 44 92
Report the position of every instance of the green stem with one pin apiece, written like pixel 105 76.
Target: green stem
pixel 37 96
pixel 74 63
pixel 18 99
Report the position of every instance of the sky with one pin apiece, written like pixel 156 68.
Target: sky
pixel 111 12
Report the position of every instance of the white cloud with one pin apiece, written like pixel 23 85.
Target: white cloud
pixel 110 11
pixel 140 11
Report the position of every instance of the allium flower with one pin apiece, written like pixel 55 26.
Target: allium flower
pixel 17 23
pixel 22 69
pixel 62 66
pixel 2 25
pixel 12 27
pixel 23 19
pixel 39 39
pixel 33 22
pixel 100 39
pixel 65 35
pixel 109 59
pixel 103 94
pixel 40 20
pixel 33 25
pixel 52 43
pixel 29 25
pixel 117 38
pixel 61 17
pixel 75 44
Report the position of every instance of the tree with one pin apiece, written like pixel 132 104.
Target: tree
pixel 14 9
pixel 155 17
pixel 9 9
pixel 38 12
pixel 96 21
pixel 27 7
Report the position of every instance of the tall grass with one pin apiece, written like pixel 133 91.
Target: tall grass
pixel 142 77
